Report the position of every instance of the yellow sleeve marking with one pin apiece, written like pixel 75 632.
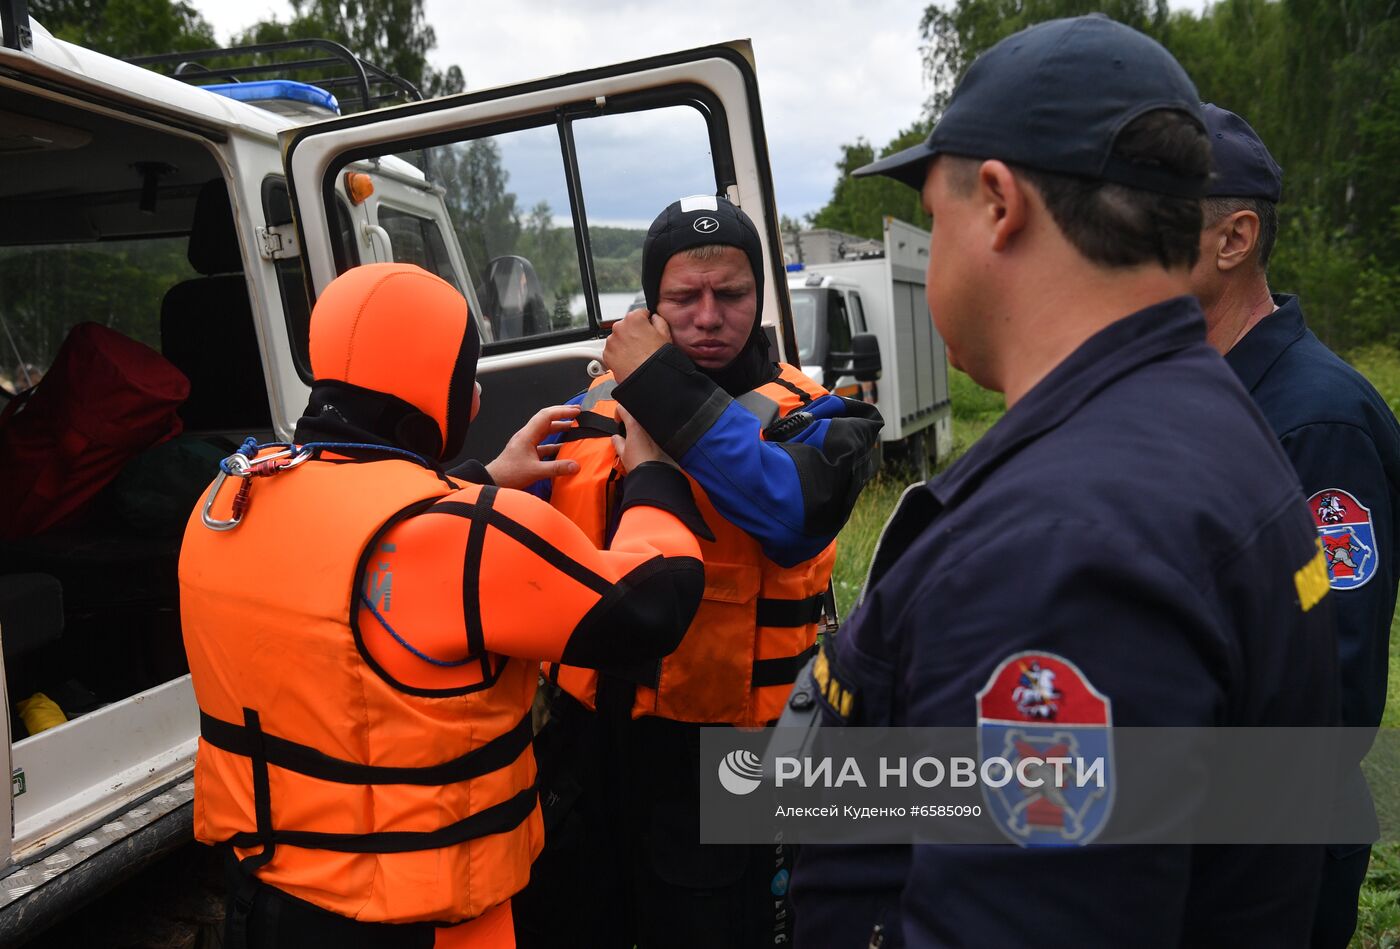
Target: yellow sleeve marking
pixel 1312 581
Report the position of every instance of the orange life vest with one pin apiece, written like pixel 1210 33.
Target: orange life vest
pixel 757 623
pixel 380 802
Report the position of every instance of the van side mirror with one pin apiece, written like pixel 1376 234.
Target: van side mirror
pixel 863 361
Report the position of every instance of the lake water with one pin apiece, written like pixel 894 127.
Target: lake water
pixel 611 306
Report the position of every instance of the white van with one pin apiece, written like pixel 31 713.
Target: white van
pixel 163 211
pixel 878 292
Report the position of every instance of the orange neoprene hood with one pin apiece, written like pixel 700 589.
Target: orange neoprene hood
pixel 393 352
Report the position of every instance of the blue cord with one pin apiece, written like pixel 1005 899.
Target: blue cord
pixel 449 663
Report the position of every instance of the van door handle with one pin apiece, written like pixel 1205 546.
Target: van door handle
pixel 373 231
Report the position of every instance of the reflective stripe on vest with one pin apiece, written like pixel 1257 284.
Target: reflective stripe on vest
pixel 756 627
pixel 331 782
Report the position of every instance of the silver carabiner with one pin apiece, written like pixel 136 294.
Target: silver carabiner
pixel 211 522
pixel 240 466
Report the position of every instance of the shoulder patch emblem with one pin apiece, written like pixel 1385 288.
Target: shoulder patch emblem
pixel 1348 537
pixel 1041 714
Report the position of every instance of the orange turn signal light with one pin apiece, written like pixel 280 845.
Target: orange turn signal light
pixel 358 186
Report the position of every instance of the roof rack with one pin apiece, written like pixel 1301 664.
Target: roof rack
pixel 14 25
pixel 372 85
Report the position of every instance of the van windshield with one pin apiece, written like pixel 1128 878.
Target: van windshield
pixel 804 322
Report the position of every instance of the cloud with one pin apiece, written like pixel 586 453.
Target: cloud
pixel 828 72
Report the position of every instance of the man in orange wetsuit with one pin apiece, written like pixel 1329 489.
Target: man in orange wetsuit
pixel 364 634
pixel 777 462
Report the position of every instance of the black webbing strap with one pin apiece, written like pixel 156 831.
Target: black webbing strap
pixel 236 930
pixel 801 394
pixel 496 819
pixel 471 578
pixel 790 612
pixel 262 792
pixel 781 671
pixel 251 742
pixel 591 425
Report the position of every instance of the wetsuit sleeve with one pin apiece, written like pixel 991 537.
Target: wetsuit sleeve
pixel 792 496
pixel 632 601
pixel 471 470
pixel 1338 456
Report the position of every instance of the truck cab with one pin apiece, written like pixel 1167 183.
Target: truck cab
pixel 846 288
pixel 176 236
pixel 827 314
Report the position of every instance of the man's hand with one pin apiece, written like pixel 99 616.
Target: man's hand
pixel 637 448
pixel 524 460
pixel 634 338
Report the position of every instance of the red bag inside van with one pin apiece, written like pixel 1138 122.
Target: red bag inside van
pixel 105 399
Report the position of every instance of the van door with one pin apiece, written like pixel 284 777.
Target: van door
pixel 547 190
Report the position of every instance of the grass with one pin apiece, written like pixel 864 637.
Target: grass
pixel 974 411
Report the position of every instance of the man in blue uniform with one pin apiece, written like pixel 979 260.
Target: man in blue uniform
pixel 1335 428
pixel 1129 526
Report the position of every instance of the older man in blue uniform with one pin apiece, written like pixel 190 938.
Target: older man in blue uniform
pixel 1335 428
pixel 1130 524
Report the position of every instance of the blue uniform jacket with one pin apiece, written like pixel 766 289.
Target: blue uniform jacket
pixel 1343 440
pixel 1133 517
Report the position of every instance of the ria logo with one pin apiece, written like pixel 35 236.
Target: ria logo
pixel 706 225
pixel 740 772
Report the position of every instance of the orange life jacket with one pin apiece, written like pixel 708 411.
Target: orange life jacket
pixel 757 624
pixel 380 802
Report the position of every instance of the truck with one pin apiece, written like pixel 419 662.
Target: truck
pixel 879 292
pixel 200 228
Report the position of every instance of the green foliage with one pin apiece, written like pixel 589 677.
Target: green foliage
pixel 954 37
pixel 1319 81
pixel 392 34
pixel 125 28
pixel 482 210
pixel 617 257
pixel 554 255
pixel 49 289
pixel 859 205
pixel 975 410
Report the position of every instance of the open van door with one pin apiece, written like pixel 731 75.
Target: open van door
pixel 548 188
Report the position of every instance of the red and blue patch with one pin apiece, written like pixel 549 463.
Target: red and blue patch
pixel 1348 538
pixel 1041 714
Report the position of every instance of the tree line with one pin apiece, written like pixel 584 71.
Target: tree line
pixel 1319 81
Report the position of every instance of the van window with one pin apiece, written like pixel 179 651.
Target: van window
pixel 858 314
pixel 804 322
pixel 838 325
pixel 47 289
pixel 417 240
pixel 549 210
pixel 631 166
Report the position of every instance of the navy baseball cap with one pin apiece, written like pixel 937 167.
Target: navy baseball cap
pixel 1054 97
pixel 1241 166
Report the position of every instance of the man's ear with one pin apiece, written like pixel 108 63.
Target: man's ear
pixel 1003 200
pixel 1239 236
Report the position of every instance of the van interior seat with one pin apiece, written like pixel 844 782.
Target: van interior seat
pixel 207 330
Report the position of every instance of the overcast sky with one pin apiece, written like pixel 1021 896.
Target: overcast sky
pixel 829 71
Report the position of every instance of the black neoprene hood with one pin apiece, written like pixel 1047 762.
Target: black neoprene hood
pixel 694 222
